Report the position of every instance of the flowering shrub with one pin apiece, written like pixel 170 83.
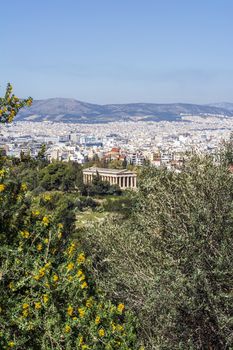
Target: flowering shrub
pixel 10 105
pixel 48 299
pixel 14 205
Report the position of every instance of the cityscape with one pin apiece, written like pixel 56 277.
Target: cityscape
pixel 163 143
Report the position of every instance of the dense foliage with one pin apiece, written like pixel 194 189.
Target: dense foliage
pixel 166 254
pixel 48 297
pixel 172 260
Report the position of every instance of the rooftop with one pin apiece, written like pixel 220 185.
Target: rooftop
pixel 95 170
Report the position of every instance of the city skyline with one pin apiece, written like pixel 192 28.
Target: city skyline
pixel 119 52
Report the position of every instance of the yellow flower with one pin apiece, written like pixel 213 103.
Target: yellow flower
pixel 79 273
pixel 60 225
pixel 81 258
pixel 89 302
pixel 25 306
pixel 119 328
pixel 24 187
pixel 81 312
pixel 71 248
pixel 82 278
pixel 120 308
pixel 84 285
pixel 113 326
pixel 75 318
pixel 11 344
pixel 42 272
pixel 67 329
pixel 70 278
pixel 80 340
pixel 25 234
pixel 29 102
pixel 37 305
pixel 46 240
pixel 47 197
pixel 45 220
pixel 47 265
pixel 70 266
pixel 2 187
pixel 70 310
pixel 36 277
pixel 11 285
pixel 97 320
pixel 55 278
pixel 35 213
pixel 101 332
pixel 25 313
pixel 45 298
pixel 39 247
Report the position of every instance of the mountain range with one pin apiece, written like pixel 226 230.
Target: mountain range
pixel 73 111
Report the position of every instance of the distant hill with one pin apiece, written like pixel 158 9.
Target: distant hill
pixel 225 105
pixel 74 111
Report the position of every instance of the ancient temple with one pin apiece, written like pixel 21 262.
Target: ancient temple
pixel 121 177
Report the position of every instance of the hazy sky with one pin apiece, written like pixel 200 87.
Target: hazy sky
pixel 113 51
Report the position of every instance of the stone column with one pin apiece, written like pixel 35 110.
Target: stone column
pixel 135 181
pixel 121 181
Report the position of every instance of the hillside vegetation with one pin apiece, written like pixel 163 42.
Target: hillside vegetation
pixel 89 267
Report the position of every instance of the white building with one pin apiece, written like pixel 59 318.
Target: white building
pixel 121 177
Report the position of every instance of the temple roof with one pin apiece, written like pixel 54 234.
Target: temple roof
pixel 94 170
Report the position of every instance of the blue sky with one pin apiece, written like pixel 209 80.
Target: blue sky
pixel 116 51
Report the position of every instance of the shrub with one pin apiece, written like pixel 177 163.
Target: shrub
pixel 172 260
pixel 48 298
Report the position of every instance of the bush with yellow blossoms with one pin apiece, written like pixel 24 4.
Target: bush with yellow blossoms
pixel 11 104
pixel 48 298
pixel 14 203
